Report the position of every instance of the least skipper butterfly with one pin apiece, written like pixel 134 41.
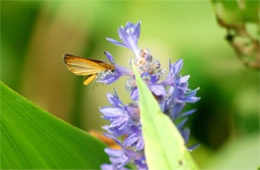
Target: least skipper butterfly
pixel 87 67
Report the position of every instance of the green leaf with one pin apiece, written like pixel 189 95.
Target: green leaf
pixel 164 145
pixel 33 138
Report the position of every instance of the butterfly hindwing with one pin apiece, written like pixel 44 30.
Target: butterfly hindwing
pixel 89 79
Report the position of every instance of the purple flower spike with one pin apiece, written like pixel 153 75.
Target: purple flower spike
pixel 172 94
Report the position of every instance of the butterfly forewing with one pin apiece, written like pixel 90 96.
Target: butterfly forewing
pixel 85 67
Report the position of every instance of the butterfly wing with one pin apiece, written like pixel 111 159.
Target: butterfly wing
pixel 89 79
pixel 82 66
pixel 104 65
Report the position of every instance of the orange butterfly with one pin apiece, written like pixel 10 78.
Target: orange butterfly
pixel 86 67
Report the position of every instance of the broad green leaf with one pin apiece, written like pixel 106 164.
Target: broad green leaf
pixel 31 138
pixel 164 145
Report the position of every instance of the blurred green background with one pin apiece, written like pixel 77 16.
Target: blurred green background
pixel 36 34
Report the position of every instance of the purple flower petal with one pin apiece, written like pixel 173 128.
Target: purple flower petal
pixel 176 67
pixel 155 78
pixel 114 153
pixel 140 144
pixel 186 135
pixel 116 42
pixel 163 106
pixel 141 163
pixel 107 167
pixel 134 94
pixel 111 167
pixel 109 57
pixel 123 71
pixel 112 76
pixel 109 78
pixel 191 99
pixel 185 114
pixel 134 112
pixel 184 79
pixel 113 100
pixel 192 147
pixel 119 122
pixel 182 123
pixel 129 36
pixel 158 90
pixel 131 139
pixel 117 131
pixel 135 139
pixel 112 112
pixel 118 158
pixel 192 93
pixel 137 31
pixel 129 27
pixel 177 108
pixel 123 35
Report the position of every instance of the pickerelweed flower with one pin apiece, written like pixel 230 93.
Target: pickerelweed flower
pixel 172 94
